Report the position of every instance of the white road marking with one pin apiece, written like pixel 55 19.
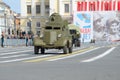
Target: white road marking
pixel 15 52
pixel 15 56
pixel 100 56
pixel 15 60
pixel 72 55
pixel 4 55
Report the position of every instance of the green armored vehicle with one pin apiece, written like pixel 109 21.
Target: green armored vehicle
pixel 55 35
pixel 75 32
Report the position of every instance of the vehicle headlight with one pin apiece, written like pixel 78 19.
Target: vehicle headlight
pixel 41 35
pixel 59 35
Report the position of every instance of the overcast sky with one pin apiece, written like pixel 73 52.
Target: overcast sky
pixel 14 5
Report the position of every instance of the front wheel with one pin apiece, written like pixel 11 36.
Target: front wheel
pixel 65 50
pixel 36 49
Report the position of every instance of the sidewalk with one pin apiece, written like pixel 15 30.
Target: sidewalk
pixel 15 42
pixel 22 43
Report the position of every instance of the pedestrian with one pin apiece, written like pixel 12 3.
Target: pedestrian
pixel 32 39
pixel 83 40
pixel 2 40
pixel 27 40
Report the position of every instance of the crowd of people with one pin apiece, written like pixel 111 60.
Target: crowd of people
pixel 27 37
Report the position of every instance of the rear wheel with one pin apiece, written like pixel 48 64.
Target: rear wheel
pixel 42 50
pixel 77 43
pixel 70 49
pixel 36 49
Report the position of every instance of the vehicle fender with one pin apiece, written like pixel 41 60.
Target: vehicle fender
pixel 37 42
pixel 67 42
pixel 61 42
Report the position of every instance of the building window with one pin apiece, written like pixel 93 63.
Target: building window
pixel 2 21
pixel 29 24
pixel 29 9
pixel 38 24
pixel 47 8
pixel 37 9
pixel 66 8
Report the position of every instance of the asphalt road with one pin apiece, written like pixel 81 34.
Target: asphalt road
pixel 90 62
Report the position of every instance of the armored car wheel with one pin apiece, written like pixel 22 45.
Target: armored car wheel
pixel 42 50
pixel 77 43
pixel 36 49
pixel 70 49
pixel 65 49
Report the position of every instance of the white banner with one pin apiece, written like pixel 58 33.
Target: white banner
pixel 98 25
pixel 84 21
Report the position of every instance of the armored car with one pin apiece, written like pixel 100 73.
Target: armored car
pixel 55 35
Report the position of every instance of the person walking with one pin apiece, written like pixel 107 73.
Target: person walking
pixel 27 37
pixel 2 40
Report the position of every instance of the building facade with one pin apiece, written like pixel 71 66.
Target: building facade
pixel 3 17
pixel 7 20
pixel 34 13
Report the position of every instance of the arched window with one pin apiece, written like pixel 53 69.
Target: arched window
pixel 84 6
pixel 106 6
pixel 91 6
pixel 38 24
pixel 114 4
pixel 97 5
pixel 118 5
pixel 79 6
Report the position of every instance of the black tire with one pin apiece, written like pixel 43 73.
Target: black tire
pixel 77 44
pixel 70 49
pixel 42 50
pixel 65 50
pixel 36 49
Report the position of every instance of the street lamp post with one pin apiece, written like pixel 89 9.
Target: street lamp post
pixel 5 17
pixel 71 7
pixel 30 27
pixel 14 24
pixel 71 11
pixel 30 32
pixel 5 21
pixel 30 20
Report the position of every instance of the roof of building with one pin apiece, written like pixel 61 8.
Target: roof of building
pixel 2 3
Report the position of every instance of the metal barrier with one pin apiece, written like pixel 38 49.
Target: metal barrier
pixel 16 42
